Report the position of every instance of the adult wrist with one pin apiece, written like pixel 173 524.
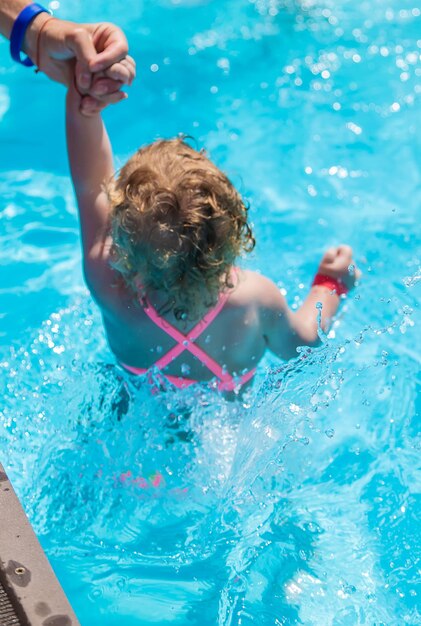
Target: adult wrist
pixel 30 41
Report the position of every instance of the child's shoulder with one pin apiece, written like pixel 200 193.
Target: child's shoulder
pixel 257 289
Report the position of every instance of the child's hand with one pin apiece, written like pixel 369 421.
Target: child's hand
pixel 338 263
pixel 107 84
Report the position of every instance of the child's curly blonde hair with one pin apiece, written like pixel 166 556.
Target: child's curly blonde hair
pixel 177 224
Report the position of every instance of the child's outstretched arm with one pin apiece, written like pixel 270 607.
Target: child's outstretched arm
pixel 91 164
pixel 284 329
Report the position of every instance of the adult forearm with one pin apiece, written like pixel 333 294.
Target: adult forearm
pixel 56 46
pixel 9 10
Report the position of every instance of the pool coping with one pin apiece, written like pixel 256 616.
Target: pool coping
pixel 30 594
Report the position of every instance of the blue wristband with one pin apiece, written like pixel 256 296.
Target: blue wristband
pixel 20 26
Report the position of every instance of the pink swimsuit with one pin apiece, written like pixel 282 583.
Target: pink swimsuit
pixel 226 382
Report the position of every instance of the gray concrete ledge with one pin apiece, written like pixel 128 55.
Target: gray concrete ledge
pixel 30 594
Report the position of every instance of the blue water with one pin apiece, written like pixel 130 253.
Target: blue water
pixel 298 504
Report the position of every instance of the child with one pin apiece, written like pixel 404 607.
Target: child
pixel 159 247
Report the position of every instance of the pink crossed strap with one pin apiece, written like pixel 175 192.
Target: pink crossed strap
pixel 186 342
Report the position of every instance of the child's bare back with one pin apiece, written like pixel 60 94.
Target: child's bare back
pixel 160 248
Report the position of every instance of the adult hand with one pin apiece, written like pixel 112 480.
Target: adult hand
pixel 105 83
pixel 64 50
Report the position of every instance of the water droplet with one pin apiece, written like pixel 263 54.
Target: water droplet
pixel 185 369
pixel 96 593
pixel 351 270
pixel 348 589
pixel 223 63
pixel 329 432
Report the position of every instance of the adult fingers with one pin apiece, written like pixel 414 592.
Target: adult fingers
pixel 124 70
pixel 130 64
pixel 119 72
pixel 82 76
pixel 110 44
pixel 92 106
pixel 103 86
pixel 80 43
pixel 113 98
pixel 112 79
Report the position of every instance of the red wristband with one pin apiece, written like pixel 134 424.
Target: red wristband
pixel 321 280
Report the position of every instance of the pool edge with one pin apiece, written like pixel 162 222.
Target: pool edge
pixel 29 589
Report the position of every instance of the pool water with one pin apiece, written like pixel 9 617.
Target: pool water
pixel 298 504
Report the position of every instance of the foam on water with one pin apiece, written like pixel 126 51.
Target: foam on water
pixel 298 503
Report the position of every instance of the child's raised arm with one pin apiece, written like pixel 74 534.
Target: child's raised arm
pixel 91 165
